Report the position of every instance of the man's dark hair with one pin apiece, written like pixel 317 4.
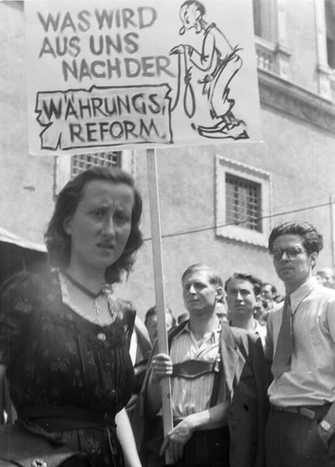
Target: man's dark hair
pixel 312 240
pixel 254 281
pixel 149 314
pixel 153 312
pixel 59 242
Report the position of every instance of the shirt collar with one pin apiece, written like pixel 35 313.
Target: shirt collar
pixel 301 292
pixel 211 335
pixel 185 328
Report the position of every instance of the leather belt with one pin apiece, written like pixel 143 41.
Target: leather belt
pixel 49 422
pixel 65 418
pixel 316 412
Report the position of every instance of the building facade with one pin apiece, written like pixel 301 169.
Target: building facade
pixel 218 202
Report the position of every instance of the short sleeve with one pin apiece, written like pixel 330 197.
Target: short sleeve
pixel 15 310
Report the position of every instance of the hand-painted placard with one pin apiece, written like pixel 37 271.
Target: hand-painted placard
pixel 123 73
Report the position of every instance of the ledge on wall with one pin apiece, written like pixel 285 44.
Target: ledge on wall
pixel 291 99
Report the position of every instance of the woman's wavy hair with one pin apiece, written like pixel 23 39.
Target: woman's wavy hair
pixel 58 242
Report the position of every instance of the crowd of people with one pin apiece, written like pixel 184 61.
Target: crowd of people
pixel 252 372
pixel 246 304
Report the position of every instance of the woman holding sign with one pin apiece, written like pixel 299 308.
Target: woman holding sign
pixel 64 336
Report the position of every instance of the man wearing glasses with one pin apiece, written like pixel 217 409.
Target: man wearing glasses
pixel 301 347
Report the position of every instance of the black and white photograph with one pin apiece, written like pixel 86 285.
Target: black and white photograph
pixel 167 233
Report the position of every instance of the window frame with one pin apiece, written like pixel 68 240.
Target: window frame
pixel 265 12
pixel 272 51
pixel 324 74
pixel 330 32
pixel 235 232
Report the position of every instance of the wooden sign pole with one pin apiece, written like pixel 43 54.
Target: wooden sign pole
pixel 159 286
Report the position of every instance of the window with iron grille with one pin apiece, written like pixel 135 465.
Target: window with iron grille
pixel 243 202
pixel 82 162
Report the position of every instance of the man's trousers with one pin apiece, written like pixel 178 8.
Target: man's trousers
pixel 292 440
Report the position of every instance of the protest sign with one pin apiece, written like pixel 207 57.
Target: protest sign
pixel 123 73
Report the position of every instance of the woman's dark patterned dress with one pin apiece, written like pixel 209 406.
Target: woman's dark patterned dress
pixel 57 360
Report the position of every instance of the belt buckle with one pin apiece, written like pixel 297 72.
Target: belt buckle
pixel 309 413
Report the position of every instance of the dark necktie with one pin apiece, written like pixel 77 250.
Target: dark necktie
pixel 282 358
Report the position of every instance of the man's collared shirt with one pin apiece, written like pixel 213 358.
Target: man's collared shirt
pixel 260 331
pixel 311 379
pixel 193 396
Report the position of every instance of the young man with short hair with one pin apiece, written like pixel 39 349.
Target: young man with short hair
pixel 301 347
pixel 243 291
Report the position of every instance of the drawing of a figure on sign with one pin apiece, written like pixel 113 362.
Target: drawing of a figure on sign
pixel 207 66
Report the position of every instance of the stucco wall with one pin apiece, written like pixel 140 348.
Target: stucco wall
pixel 298 156
pixel 26 182
pixel 301 162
